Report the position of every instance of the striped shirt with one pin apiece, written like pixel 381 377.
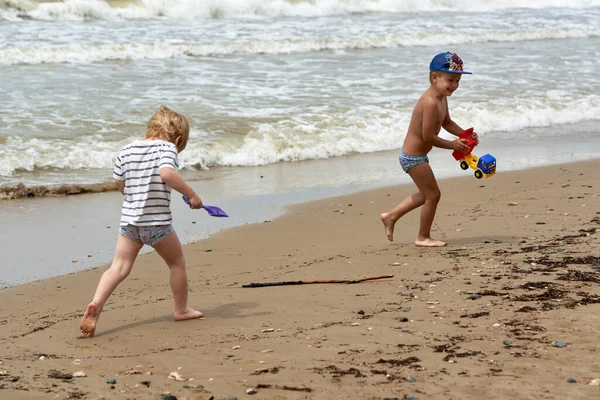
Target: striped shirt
pixel 147 199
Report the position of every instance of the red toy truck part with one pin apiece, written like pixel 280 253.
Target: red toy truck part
pixel 471 142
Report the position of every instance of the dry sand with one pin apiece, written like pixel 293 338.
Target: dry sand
pixel 483 318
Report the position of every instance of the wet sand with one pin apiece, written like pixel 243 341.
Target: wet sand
pixel 508 310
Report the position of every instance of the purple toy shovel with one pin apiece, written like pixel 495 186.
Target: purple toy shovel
pixel 213 211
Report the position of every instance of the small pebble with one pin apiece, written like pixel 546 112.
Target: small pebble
pixel 507 342
pixel 410 379
pixel 560 344
pixel 251 391
pixel 571 380
pixel 112 381
pixel 361 312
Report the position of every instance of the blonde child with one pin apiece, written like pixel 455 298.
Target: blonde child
pixel 429 116
pixel 145 172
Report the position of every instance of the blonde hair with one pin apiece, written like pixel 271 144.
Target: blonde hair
pixel 166 124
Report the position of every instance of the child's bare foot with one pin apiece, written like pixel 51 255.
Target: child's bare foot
pixel 429 242
pixel 388 225
pixel 89 320
pixel 188 314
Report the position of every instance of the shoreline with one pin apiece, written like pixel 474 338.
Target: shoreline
pixel 90 240
pixel 529 149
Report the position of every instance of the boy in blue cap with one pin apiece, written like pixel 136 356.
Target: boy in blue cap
pixel 429 116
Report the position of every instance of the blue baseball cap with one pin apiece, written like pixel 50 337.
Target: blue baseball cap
pixel 447 62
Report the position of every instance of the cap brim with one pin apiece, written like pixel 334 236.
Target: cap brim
pixel 452 72
pixel 457 72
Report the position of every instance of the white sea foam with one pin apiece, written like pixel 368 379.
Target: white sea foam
pixel 303 137
pixel 194 9
pixel 27 154
pixel 90 53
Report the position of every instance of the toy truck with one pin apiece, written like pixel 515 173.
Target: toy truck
pixel 484 166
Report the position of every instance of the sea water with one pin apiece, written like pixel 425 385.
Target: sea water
pixel 268 81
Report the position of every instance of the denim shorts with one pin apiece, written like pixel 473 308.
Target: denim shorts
pixel 150 235
pixel 407 162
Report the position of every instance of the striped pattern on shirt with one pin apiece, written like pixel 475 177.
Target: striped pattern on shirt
pixel 147 199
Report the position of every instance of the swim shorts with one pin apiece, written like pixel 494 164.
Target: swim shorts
pixel 407 162
pixel 150 235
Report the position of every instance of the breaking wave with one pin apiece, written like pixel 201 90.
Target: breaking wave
pixel 198 9
pixel 87 53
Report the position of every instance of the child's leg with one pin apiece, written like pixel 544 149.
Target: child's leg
pixel 411 202
pixel 423 177
pixel 170 250
pixel 125 254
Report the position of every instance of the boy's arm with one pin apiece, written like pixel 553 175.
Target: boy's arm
pixel 175 181
pixel 430 115
pixel 451 126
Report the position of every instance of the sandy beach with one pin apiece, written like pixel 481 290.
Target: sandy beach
pixel 509 309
